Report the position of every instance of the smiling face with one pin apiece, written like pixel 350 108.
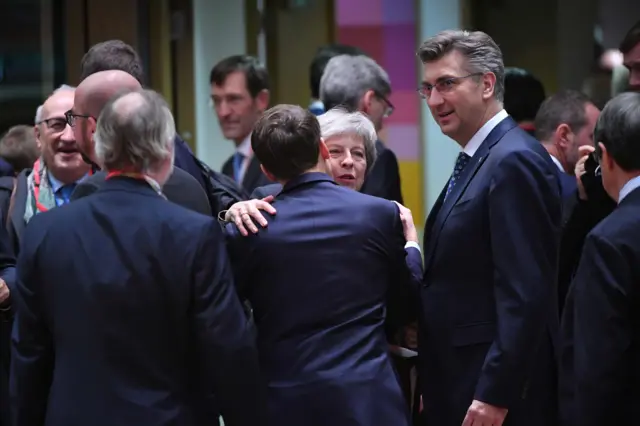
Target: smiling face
pixel 458 99
pixel 348 160
pixel 60 151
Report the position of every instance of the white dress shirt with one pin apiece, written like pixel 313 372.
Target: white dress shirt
pixel 628 187
pixel 477 139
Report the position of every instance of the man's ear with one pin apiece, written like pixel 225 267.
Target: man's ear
pixel 564 135
pixel 268 174
pixel 36 132
pixel 262 100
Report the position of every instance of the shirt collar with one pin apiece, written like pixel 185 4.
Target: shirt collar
pixel 245 147
pixel 628 187
pixel 557 163
pixel 481 135
pixel 56 184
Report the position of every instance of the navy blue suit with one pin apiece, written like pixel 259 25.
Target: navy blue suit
pixel 319 278
pixel 127 315
pixel 489 301
pixel 601 324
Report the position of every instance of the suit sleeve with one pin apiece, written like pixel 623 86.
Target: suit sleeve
pixel 384 181
pixel 524 215
pixel 227 353
pixel 400 304
pixel 603 333
pixel 32 351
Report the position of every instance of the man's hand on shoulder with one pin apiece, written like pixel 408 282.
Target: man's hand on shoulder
pixel 244 213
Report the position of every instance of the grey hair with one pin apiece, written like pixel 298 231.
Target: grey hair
pixel 340 122
pixel 482 53
pixel 135 130
pixel 618 129
pixel 63 88
pixel 347 78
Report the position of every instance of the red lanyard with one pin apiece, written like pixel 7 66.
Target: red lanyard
pixel 134 175
pixel 36 185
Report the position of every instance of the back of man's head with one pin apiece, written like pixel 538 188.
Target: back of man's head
pixel 618 129
pixel 112 55
pixel 630 48
pixel 523 94
pixel 347 78
pixel 565 107
pixel 135 132
pixel 286 141
pixel 93 93
pixel 322 58
pixel 19 147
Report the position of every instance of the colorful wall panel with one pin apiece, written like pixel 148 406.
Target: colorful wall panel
pixel 387 31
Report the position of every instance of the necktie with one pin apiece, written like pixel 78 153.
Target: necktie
pixel 238 158
pixel 461 163
pixel 65 192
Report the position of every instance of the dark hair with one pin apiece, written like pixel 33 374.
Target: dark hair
pixel 19 147
pixel 618 129
pixel 257 77
pixel 523 94
pixel 565 107
pixel 631 39
pixel 286 141
pixel 112 55
pixel 321 59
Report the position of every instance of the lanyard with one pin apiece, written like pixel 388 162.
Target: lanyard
pixel 139 176
pixel 36 185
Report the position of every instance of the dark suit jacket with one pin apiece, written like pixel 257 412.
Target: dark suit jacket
pixel 127 315
pixel 489 298
pixel 318 280
pixel 7 272
pixel 185 160
pixel 384 178
pixel 600 369
pixel 180 188
pixel 253 177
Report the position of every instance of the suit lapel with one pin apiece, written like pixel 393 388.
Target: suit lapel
pixel 252 174
pixel 441 214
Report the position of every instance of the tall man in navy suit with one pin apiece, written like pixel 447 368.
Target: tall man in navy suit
pixel 126 309
pixel 489 304
pixel 604 319
pixel 318 278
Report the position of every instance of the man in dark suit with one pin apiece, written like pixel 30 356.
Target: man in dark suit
pixel 489 308
pixel 358 83
pixel 318 281
pixel 91 96
pixel 117 55
pixel 240 94
pixel 564 123
pixel 604 319
pixel 7 288
pixel 126 310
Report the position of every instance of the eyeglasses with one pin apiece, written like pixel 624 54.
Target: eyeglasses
pixel 71 117
pixel 442 86
pixel 390 108
pixel 57 124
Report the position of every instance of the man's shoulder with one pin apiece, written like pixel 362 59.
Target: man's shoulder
pixel 623 224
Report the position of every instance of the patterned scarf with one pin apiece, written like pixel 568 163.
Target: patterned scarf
pixel 40 196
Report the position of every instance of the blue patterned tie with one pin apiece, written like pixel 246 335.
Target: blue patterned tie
pixel 461 163
pixel 238 158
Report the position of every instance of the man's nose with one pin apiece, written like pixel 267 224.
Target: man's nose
pixel 434 98
pixel 67 134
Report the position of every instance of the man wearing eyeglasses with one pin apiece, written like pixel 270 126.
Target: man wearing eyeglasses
pixel 358 83
pixel 488 301
pixel 55 174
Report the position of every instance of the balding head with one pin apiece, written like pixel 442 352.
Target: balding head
pixel 96 90
pixel 91 97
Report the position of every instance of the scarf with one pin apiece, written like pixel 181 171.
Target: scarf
pixel 40 196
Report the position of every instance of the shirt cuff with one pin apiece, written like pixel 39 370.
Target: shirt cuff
pixel 414 245
pixel 221 215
